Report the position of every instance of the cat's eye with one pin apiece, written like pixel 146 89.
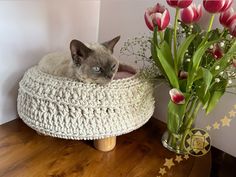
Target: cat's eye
pixel 96 69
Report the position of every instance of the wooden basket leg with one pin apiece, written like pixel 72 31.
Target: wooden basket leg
pixel 106 144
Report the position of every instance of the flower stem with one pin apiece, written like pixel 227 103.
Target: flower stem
pixel 209 29
pixel 175 40
pixel 190 122
pixel 161 35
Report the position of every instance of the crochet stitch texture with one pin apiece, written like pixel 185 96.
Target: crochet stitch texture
pixel 66 108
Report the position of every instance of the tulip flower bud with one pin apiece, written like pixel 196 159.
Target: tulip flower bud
pixel 227 17
pixel 157 15
pixel 227 5
pixel 213 6
pixel 183 75
pixel 234 63
pixel 179 3
pixel 177 96
pixel 217 52
pixel 191 14
pixel 232 27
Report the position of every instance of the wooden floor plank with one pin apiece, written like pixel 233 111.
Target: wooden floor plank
pixel 24 153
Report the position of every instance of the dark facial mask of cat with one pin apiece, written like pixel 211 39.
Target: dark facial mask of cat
pixel 94 64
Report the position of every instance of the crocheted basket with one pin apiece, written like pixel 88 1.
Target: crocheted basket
pixel 66 108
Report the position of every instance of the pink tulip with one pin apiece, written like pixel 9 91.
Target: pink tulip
pixel 183 75
pixel 191 13
pixel 232 27
pixel 213 6
pixel 217 52
pixel 177 96
pixel 227 17
pixel 157 15
pixel 179 3
pixel 227 5
pixel 234 63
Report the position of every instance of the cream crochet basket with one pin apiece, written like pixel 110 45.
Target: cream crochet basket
pixel 65 108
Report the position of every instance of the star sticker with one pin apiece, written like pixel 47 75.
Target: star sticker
pixel 208 127
pixel 169 163
pixel 216 125
pixel 186 156
pixel 178 158
pixel 162 171
pixel 232 113
pixel 225 121
pixel 235 106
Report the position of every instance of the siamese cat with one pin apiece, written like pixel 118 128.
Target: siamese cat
pixel 93 63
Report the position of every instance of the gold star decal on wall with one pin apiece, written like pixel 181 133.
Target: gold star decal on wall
pixel 178 158
pixel 208 127
pixel 186 156
pixel 216 125
pixel 225 121
pixel 162 171
pixel 232 113
pixel 169 163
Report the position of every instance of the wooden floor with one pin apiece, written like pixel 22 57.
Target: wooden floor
pixel 24 153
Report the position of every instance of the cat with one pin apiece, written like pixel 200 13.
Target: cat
pixel 93 63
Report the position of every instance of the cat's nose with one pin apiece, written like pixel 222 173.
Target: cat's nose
pixel 109 76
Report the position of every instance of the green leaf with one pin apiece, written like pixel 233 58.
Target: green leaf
pixel 217 90
pixel 156 59
pixel 207 78
pixel 175 116
pixel 203 85
pixel 214 100
pixel 203 95
pixel 197 57
pixel 168 36
pixel 166 51
pixel 183 48
pixel 199 53
pixel 233 47
pixel 168 69
pixel 214 34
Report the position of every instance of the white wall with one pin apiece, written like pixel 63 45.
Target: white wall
pixel 29 29
pixel 126 17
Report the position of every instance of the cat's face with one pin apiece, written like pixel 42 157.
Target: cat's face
pixel 94 64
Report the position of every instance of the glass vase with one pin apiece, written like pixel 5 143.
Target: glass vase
pixel 175 141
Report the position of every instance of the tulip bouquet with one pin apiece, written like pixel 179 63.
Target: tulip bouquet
pixel 199 65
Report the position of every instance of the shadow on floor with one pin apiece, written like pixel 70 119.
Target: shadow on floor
pixel 223 164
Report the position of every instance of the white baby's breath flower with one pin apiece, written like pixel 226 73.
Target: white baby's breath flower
pixel 229 36
pixel 217 68
pixel 217 80
pixel 211 46
pixel 188 60
pixel 229 81
pixel 221 73
pixel 222 44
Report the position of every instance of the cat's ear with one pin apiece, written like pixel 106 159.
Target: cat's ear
pixel 111 44
pixel 79 51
